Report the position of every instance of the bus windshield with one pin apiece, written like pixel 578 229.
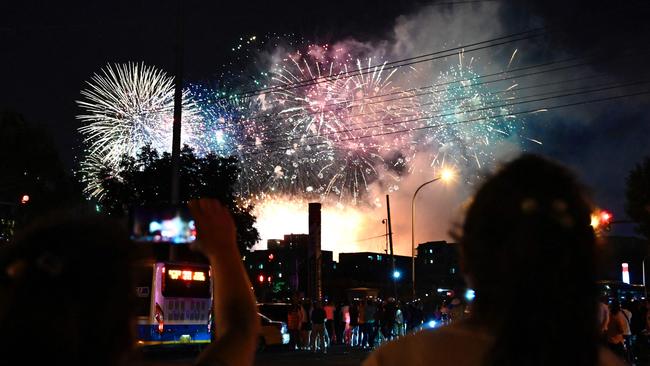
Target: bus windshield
pixel 186 281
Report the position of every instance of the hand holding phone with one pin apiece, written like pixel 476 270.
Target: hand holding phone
pixel 215 226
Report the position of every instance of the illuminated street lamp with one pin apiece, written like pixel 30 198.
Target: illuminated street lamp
pixel 446 175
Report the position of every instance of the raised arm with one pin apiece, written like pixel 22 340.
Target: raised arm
pixel 235 315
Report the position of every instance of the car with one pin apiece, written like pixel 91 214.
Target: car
pixel 275 311
pixel 272 333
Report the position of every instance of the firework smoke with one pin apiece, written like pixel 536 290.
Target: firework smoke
pixel 334 124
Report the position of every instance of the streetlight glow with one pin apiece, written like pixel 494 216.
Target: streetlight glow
pixel 447 175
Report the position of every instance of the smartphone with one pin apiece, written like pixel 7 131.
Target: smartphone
pixel 165 224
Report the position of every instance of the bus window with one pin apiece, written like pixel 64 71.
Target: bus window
pixel 186 281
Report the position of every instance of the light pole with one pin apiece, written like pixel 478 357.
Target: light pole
pixel 446 175
pixel 645 289
pixel 385 222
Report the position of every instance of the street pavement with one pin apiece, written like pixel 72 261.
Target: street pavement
pixel 337 355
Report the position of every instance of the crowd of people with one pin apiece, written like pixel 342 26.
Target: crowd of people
pixel 625 328
pixel 364 323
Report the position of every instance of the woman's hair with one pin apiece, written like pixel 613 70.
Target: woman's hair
pixel 66 293
pixel 528 250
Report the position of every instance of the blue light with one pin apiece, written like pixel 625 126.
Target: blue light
pixel 432 324
pixel 397 274
pixel 470 294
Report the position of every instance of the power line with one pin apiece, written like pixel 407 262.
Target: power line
pixel 545 108
pixel 532 33
pixel 430 86
pixel 410 96
pixel 405 93
pixel 508 103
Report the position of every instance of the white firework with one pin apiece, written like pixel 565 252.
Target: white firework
pixel 128 106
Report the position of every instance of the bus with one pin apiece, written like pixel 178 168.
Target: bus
pixel 173 303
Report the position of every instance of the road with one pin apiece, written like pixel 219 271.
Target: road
pixel 339 355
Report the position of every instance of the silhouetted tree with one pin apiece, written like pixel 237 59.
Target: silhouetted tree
pixel 637 194
pixel 146 179
pixel 29 165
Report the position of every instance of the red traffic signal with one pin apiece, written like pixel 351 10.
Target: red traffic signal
pixel 24 199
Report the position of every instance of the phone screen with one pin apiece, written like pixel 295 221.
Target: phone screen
pixel 170 224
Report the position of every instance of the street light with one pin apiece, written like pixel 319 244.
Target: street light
pixel 645 289
pixel 385 222
pixel 446 175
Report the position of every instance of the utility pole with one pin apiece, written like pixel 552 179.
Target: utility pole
pixel 390 242
pixel 178 111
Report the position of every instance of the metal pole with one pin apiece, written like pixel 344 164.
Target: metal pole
pixel 645 289
pixel 390 241
pixel 178 104
pixel 178 109
pixel 385 222
pixel 413 233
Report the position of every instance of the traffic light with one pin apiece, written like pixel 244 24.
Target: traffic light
pixel 24 199
pixel 261 278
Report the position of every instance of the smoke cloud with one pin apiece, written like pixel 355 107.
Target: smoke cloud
pixel 563 134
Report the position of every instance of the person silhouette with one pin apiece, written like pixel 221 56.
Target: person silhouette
pixel 528 250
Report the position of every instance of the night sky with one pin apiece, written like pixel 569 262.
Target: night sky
pixel 50 49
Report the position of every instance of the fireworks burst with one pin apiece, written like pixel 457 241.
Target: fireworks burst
pixel 339 114
pixel 465 115
pixel 126 107
pixel 329 126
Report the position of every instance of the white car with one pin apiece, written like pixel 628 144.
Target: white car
pixel 272 332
